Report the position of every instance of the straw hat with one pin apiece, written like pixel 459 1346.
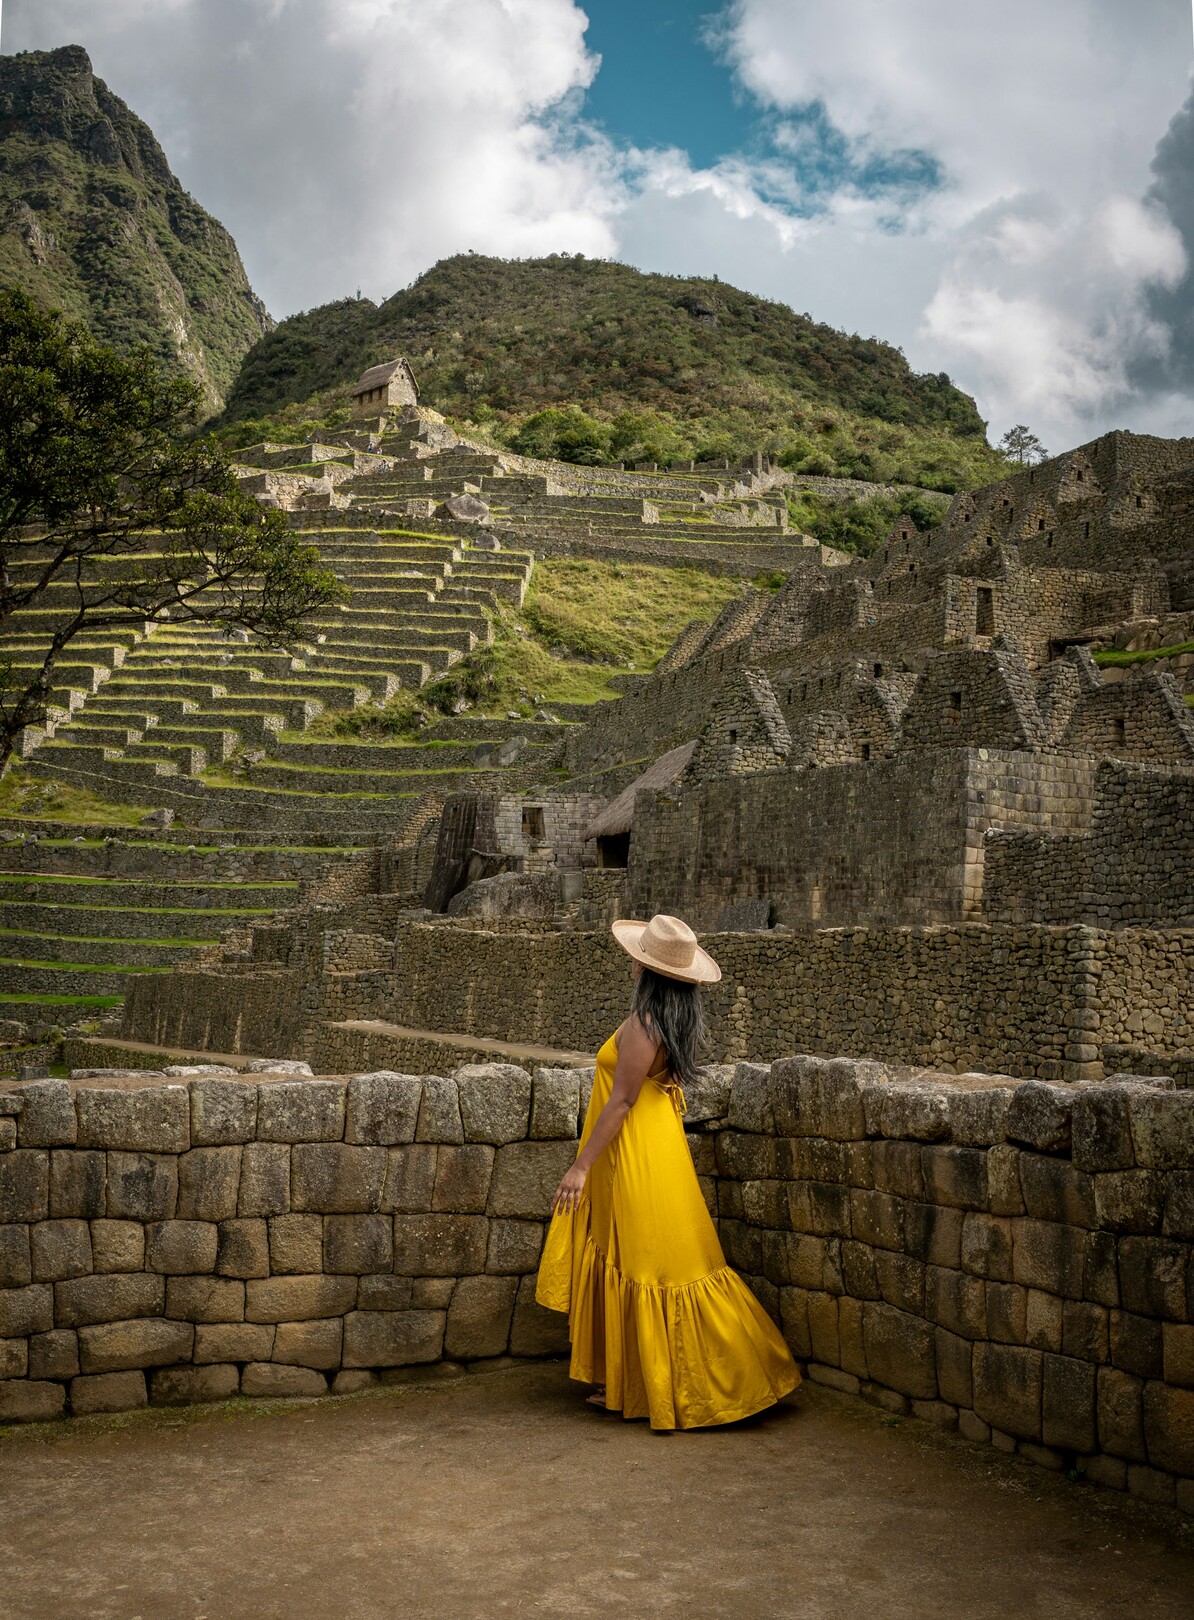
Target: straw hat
pixel 668 946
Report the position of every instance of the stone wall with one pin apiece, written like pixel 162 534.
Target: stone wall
pixel 1011 1259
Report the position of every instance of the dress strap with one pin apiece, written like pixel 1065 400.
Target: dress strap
pixel 674 1091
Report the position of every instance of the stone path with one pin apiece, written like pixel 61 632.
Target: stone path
pixel 500 1494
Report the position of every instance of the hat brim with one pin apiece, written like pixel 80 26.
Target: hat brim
pixel 701 970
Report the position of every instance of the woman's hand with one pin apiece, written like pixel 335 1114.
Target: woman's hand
pixel 567 1195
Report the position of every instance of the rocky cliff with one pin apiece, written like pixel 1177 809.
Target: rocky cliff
pixel 93 221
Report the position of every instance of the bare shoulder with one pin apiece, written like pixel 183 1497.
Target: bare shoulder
pixel 637 1043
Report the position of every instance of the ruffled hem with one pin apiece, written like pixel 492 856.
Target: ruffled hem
pixel 686 1355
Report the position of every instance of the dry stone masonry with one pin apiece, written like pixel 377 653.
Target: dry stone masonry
pixel 1013 1259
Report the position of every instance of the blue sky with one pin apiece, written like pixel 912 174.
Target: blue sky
pixel 995 188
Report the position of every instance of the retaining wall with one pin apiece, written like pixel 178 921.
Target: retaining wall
pixel 1014 1259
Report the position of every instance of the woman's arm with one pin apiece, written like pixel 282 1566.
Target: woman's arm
pixel 636 1053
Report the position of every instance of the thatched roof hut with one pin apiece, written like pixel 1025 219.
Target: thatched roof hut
pixel 611 828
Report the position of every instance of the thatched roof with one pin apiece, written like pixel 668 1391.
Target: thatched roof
pixel 619 813
pixel 379 376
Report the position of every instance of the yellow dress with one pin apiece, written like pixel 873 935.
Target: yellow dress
pixel 654 1312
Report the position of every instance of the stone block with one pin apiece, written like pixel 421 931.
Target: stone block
pixel 385 1293
pixel 26 1310
pixel 16 1258
pixel 295 1243
pixel 1130 1201
pixel 1048 1255
pixel 191 1386
pixel 955 1176
pixel 28 1400
pixel 208 1184
pixel 1003 1181
pixel 392 1338
pixel 1043 1318
pixel 462 1176
pixel 14 1358
pixel 851 1341
pixel 60 1249
pixel 1054 1191
pixel 972 1427
pixel 823 1328
pixel 1151 1485
pixel 495 1102
pixel 859 1276
pixel 1178 1220
pixel 479 1317
pixel 525 1176
pixel 242 1248
pixel 117 1245
pixel 410 1179
pixel 223 1112
pixel 1040 1117
pixel 1068 1404
pixel 987 1247
pixel 107 1392
pixel 337 1179
pixel 514 1246
pixel 353 1381
pixel 915 1113
pixel 1007 1313
pixel 1085 1331
pixel 793 1305
pixel 750 1106
pixel 1007 1388
pixel 83 1300
pixel 1102 1132
pixel 269 1380
pixel 876 1219
pixel 896 1168
pixel 205 1299
pixel 121 1346
pixel 264 1179
pixel 555 1104
pixel 430 1245
pixel 181 1248
pixel 439 1111
pixel 1169 1428
pixel 955 1301
pixel 357 1244
pixel 310 1344
pixel 954 1357
pixel 432 1293
pixel 78 1183
pixel 1162 1128
pixel 383 1108
pixel 979 1118
pixel 298 1299
pixel 47 1117
pixel 151 1119
pixel 234 1341
pixel 1137 1344
pixel 745 1158
pixel 1152 1276
pixel 54 1355
pixel 142 1187
pixel 815 1096
pixel 24 1185
pixel 1178 1345
pixel 300 1111
pixel 536 1331
pixel 1101 1269
pixel 934 1234
pixel 901 1281
pixel 899 1350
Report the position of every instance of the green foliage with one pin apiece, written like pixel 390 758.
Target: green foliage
pixel 96 224
pixel 596 363
pixel 1114 658
pixel 36 799
pixel 861 525
pixel 101 489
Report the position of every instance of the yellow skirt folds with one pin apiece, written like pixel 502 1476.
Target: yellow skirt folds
pixel 654 1312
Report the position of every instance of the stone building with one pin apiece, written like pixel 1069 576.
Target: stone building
pixel 384 388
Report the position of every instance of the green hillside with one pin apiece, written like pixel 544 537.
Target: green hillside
pixel 95 223
pixel 596 362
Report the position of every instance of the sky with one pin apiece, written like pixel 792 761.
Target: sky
pixel 1003 188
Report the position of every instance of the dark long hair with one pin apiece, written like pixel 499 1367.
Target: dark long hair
pixel 672 1011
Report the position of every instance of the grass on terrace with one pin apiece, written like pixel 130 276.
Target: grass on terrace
pixel 581 622
pixel 32 798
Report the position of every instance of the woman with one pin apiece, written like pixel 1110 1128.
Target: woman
pixel 657 1319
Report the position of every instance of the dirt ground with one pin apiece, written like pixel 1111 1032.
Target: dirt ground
pixel 499 1493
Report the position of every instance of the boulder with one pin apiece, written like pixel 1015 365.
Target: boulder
pixel 464 509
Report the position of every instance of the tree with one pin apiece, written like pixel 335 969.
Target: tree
pixel 112 514
pixel 1019 444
